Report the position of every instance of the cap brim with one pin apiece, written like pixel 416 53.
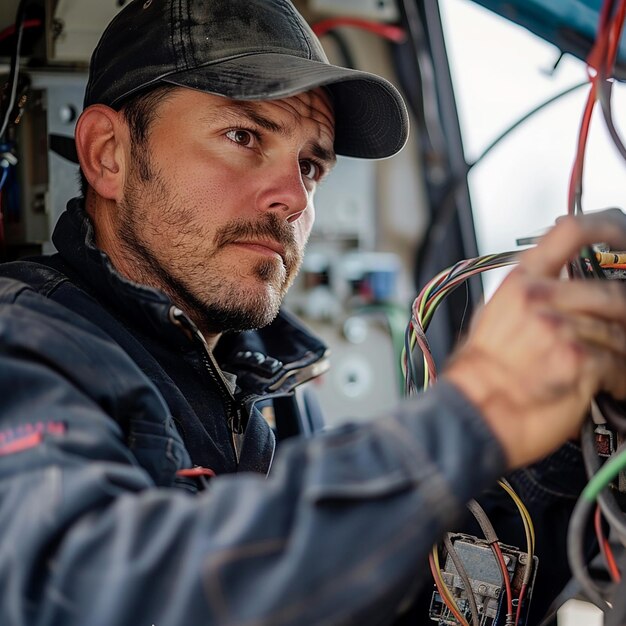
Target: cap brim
pixel 370 116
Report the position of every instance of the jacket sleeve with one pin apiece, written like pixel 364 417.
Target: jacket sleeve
pixel 338 534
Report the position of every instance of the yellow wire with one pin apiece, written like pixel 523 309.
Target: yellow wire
pixel 444 587
pixel 529 528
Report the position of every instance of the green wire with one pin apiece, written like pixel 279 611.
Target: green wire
pixel 429 289
pixel 604 476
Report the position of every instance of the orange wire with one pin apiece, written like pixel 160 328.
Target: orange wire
pixel 438 582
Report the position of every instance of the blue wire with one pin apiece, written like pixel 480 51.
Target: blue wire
pixel 3 179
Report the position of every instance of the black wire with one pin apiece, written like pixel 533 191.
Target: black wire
pixel 571 590
pixel 417 78
pixel 604 86
pixel 588 254
pixel 441 217
pixel 576 554
pixel 613 411
pixel 521 120
pixel 605 90
pixel 412 374
pixel 15 61
pixel 578 521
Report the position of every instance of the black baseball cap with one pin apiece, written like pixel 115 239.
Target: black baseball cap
pixel 244 50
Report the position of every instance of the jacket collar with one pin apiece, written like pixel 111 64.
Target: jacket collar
pixel 272 359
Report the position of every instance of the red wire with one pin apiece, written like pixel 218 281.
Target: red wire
pixel 615 34
pixel 605 548
pixel 388 31
pixel 595 57
pixel 576 177
pixel 610 560
pixel 10 30
pixel 602 59
pixel 505 574
pixel 595 60
pixel 520 599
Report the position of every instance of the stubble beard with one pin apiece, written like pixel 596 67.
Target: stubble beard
pixel 214 297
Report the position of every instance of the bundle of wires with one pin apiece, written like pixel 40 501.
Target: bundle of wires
pixel 425 305
pixel 590 264
pixel 422 311
pixel 600 69
pixel 598 496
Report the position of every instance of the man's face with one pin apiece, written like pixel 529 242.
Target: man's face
pixel 221 221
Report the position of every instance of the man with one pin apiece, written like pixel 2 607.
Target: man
pixel 131 367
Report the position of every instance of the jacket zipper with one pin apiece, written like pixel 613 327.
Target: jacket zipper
pixel 233 411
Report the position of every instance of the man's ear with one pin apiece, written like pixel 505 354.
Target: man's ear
pixel 102 142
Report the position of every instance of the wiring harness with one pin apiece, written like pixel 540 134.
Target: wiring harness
pixel 603 438
pixel 464 592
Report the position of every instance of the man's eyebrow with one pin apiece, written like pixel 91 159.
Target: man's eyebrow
pixel 324 154
pixel 251 112
pixel 260 120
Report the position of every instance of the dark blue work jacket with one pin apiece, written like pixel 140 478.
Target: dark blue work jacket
pixel 109 401
pixel 214 413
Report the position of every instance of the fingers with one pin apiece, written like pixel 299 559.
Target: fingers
pixel 606 336
pixel 564 241
pixel 590 354
pixel 606 368
pixel 542 347
pixel 605 300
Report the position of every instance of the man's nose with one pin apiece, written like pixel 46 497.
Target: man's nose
pixel 285 192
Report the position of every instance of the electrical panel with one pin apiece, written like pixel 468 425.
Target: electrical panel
pixel 41 182
pixel 26 184
pixel 486 579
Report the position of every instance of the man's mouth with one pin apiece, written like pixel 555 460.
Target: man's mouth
pixel 265 246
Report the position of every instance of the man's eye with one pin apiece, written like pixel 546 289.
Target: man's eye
pixel 242 137
pixel 310 170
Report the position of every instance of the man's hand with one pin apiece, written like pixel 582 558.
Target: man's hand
pixel 543 347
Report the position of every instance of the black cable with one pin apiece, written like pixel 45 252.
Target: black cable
pixel 15 61
pixel 410 365
pixel 582 511
pixel 576 554
pixel 614 411
pixel 417 78
pixel 522 119
pixel 444 213
pixel 605 90
pixel 571 590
